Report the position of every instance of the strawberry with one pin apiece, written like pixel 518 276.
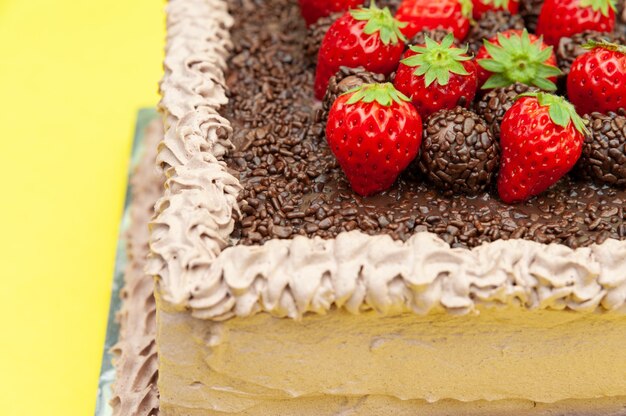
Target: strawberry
pixel 313 10
pixel 437 76
pixel 482 6
pixel 541 139
pixel 564 18
pixel 451 15
pixel 516 56
pixel 368 38
pixel 374 132
pixel 597 80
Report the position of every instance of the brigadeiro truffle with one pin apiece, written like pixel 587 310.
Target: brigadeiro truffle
pixel 490 24
pixel 604 149
pixel 571 48
pixel 315 36
pixel 493 105
pixel 530 10
pixel 459 153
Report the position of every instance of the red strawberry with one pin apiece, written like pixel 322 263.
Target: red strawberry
pixel 313 10
pixel 369 38
pixel 516 56
pixel 541 140
pixel 597 80
pixel 482 6
pixel 437 76
pixel 374 132
pixel 451 15
pixel 564 18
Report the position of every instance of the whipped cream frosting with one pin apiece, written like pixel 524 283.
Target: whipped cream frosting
pixel 196 269
pixel 136 363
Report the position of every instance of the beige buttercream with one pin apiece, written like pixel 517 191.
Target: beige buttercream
pixel 191 230
pixel 494 359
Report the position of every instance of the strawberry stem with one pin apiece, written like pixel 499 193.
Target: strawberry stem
pixel 384 94
pixel 502 4
pixel 602 5
pixel 604 44
pixel 380 21
pixel 436 61
pixel 466 8
pixel 561 111
pixel 516 59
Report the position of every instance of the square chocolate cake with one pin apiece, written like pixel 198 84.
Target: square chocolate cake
pixel 281 290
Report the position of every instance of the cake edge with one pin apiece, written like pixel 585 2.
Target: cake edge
pixel 135 391
pixel 196 270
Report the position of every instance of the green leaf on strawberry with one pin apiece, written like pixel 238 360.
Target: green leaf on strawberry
pixel 384 94
pixel 382 21
pixel 602 5
pixel 604 44
pixel 466 8
pixel 436 61
pixel 518 59
pixel 498 4
pixel 562 112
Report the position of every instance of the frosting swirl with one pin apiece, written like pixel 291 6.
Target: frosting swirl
pixel 357 272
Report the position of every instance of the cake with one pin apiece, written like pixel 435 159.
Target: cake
pixel 280 291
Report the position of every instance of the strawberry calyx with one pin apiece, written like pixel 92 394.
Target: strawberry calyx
pixel 436 61
pixel 384 94
pixel 517 59
pixel 604 44
pixel 502 4
pixel 380 21
pixel 602 5
pixel 561 111
pixel 466 8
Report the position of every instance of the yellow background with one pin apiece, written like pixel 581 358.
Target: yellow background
pixel 72 75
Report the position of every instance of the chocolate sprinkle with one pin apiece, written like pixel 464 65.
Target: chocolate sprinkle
pixel 293 185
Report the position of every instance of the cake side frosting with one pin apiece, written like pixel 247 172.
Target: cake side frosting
pixel 193 222
pixel 135 390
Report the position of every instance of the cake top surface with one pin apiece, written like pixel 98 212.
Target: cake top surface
pixel 200 269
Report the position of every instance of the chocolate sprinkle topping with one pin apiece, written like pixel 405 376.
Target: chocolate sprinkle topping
pixel 293 185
